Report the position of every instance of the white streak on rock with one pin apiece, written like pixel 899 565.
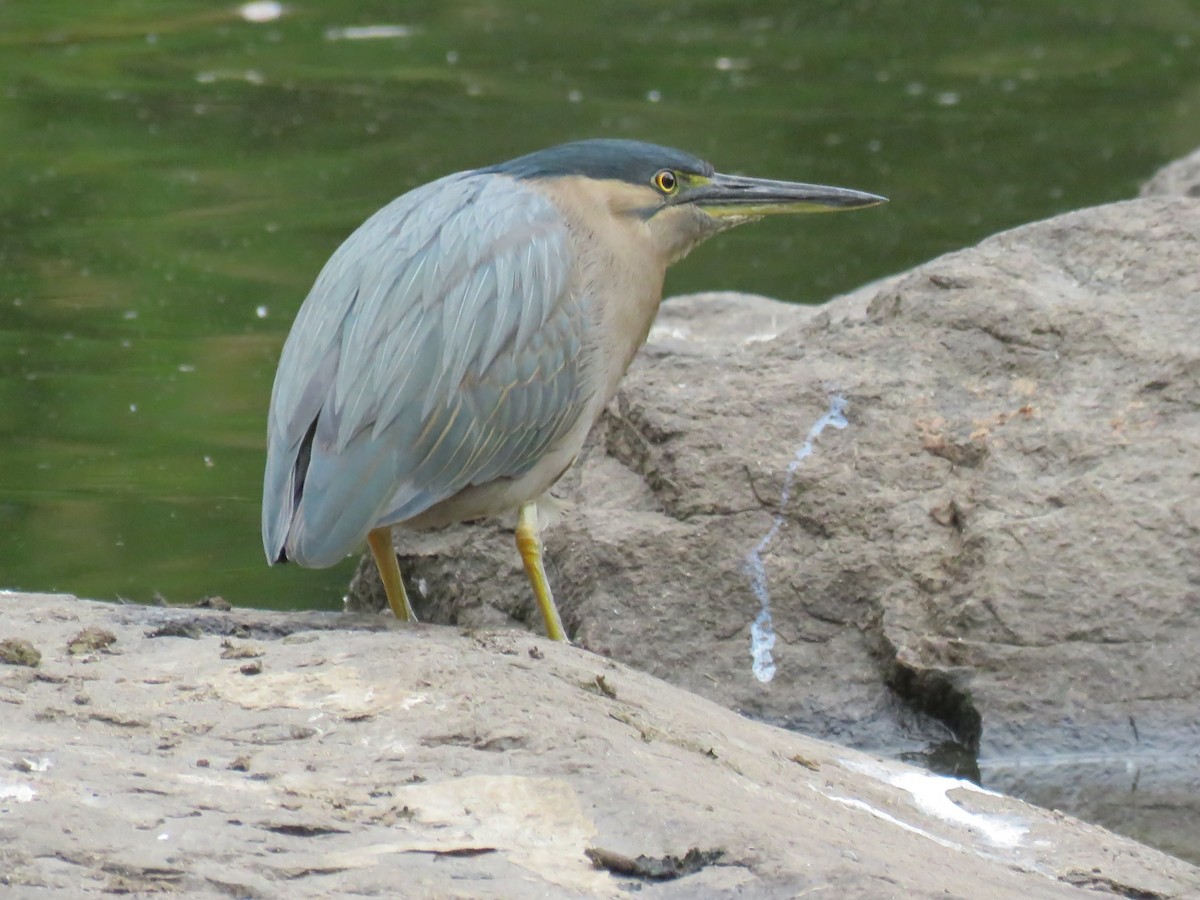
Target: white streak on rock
pixel 854 803
pixel 930 794
pixel 762 630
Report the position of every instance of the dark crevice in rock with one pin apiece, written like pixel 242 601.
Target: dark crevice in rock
pixel 196 626
pixel 948 758
pixel 301 830
pixel 1095 882
pixel 1016 340
pixel 935 693
pixel 654 868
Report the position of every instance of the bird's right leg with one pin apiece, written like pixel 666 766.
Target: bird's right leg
pixel 380 542
pixel 529 543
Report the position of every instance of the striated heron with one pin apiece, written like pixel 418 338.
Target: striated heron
pixel 456 349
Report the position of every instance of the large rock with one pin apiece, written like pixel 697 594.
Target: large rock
pixel 999 541
pixel 250 754
pixel 1179 178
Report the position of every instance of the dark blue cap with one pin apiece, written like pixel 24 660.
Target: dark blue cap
pixel 602 158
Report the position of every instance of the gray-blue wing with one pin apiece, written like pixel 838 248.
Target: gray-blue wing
pixel 439 348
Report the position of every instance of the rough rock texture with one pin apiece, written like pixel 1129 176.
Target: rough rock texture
pixel 1002 539
pixel 1180 178
pixel 253 754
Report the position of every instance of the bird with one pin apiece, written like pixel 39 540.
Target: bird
pixel 455 350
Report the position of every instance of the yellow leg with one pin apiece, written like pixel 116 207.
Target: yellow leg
pixel 530 546
pixel 380 541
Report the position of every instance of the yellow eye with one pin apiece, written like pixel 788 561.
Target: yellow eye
pixel 666 181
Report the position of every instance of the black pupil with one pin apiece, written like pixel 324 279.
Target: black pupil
pixel 666 180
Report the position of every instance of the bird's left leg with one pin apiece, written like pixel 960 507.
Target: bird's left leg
pixel 380 542
pixel 529 543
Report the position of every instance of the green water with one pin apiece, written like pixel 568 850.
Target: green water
pixel 173 176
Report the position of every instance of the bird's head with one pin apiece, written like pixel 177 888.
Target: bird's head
pixel 680 199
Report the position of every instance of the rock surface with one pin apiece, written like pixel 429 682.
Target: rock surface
pixel 998 542
pixel 254 754
pixel 1180 178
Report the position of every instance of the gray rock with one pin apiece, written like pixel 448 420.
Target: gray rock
pixel 1178 179
pixel 263 754
pixel 1000 544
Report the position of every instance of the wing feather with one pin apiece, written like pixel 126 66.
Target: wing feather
pixel 438 348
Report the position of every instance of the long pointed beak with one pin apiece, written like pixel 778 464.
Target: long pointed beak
pixel 733 195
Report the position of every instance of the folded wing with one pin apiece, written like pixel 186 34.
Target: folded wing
pixel 439 348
